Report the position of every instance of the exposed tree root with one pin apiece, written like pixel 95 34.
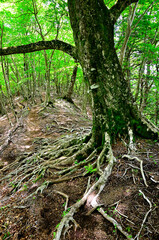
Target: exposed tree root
pixel 146 128
pixel 146 215
pixel 64 195
pixel 91 197
pixel 62 156
pixel 141 166
pixel 151 127
pixel 131 146
pixel 115 223
pixel 67 158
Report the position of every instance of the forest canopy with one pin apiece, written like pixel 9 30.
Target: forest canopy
pixel 26 22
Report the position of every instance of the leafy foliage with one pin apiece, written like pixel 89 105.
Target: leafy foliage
pixel 27 73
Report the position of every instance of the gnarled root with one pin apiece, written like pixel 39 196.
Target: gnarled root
pixel 64 157
pixel 141 166
pixel 146 215
pixel 100 184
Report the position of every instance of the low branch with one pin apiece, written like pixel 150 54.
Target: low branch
pixel 41 45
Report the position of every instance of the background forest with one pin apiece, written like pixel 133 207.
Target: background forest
pixel 30 74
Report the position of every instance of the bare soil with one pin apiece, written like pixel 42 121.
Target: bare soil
pixel 38 217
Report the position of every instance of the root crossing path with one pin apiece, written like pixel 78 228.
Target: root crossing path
pixel 54 182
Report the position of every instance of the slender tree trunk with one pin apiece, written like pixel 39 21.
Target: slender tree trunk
pixel 157 107
pixel 157 97
pixel 18 77
pixel 128 32
pixel 68 95
pixel 5 71
pixel 2 102
pixel 26 74
pixel 2 106
pixel 47 73
pixel 145 88
pixel 126 68
pixel 34 80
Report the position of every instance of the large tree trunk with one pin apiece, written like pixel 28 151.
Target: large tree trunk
pixel 93 30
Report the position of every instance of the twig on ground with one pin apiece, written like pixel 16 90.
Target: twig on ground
pixel 125 171
pixel 133 178
pixel 122 214
pixel 116 203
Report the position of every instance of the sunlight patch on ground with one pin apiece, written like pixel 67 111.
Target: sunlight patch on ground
pixel 25 147
pixel 90 199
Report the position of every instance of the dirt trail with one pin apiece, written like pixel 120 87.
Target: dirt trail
pixel 39 124
pixel 38 217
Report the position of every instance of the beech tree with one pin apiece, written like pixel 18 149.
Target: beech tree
pixel 93 30
pixel 114 113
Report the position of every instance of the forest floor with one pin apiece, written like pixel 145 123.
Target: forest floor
pixel 37 217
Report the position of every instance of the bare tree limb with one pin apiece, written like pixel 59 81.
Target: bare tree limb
pixel 119 7
pixel 41 45
pixel 143 15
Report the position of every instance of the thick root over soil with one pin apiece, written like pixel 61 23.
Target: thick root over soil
pixel 67 158
pixel 64 159
pixel 91 197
